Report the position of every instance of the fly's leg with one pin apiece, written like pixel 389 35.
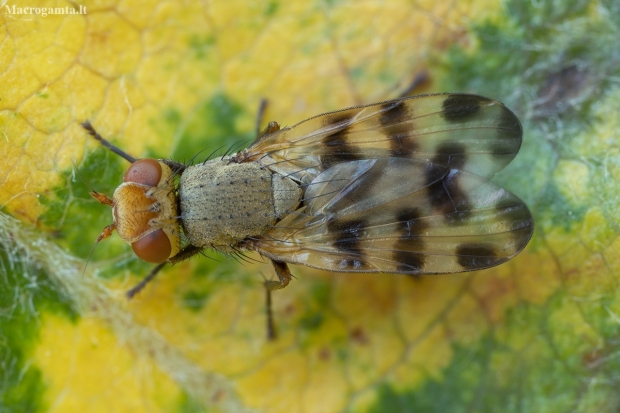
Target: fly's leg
pixel 271 127
pixel 272 334
pixel 92 132
pixel 149 277
pixel 260 114
pixel 184 254
pixel 419 80
pixel 284 277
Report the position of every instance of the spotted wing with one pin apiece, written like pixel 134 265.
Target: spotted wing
pixel 466 132
pixel 400 215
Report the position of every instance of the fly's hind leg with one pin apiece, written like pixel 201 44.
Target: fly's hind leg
pixel 421 78
pixel 284 278
pixel 271 126
pixel 260 114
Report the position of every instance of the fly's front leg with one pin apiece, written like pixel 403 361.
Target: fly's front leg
pixel 138 287
pixel 184 254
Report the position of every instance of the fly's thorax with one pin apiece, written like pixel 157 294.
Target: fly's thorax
pixel 145 211
pixel 224 202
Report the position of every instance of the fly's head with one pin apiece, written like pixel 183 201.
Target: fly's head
pixel 144 210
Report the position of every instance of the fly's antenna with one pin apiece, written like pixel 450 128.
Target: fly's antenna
pixel 92 132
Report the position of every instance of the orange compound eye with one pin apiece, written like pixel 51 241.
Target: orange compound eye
pixel 144 171
pixel 154 247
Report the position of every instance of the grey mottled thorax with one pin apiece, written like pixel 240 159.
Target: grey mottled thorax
pixel 223 202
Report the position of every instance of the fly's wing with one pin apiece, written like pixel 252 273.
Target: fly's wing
pixel 460 131
pixel 400 215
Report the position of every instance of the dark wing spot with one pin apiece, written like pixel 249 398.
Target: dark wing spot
pixel 393 112
pixel 509 120
pixel 348 235
pixel 446 197
pixel 477 256
pixel 509 134
pixel 408 222
pixel 408 262
pixel 411 238
pixel 518 220
pixel 402 143
pixel 457 108
pixel 342 123
pixel 337 148
pixel 403 146
pixel 439 198
pixel 346 227
pixel 451 154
